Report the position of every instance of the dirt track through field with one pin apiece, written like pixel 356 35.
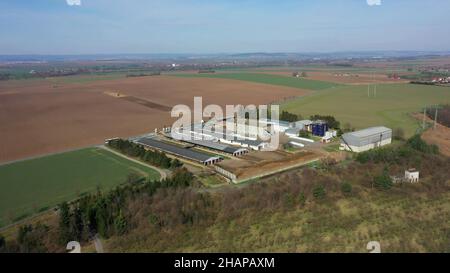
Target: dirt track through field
pixel 147 103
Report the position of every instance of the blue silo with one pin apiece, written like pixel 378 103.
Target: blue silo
pixel 319 128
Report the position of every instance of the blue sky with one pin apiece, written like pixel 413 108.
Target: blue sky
pixel 221 26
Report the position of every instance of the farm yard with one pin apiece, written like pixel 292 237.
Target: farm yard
pixel 30 186
pixel 251 165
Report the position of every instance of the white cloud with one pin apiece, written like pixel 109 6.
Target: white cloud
pixel 73 2
pixel 374 2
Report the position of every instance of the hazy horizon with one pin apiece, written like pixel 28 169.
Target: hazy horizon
pixel 92 27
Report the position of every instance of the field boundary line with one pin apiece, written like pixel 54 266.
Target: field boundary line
pixel 162 173
pixel 49 154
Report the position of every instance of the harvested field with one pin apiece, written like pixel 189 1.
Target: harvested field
pixel 170 91
pixel 39 117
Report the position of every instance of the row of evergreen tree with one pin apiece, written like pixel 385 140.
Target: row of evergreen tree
pixel 155 158
pixel 106 213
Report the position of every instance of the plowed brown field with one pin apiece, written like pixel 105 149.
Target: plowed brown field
pixel 46 116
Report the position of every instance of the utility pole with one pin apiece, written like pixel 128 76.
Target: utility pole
pixel 424 116
pixel 435 118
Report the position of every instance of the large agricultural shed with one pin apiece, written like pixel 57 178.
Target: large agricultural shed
pixel 367 139
pixel 227 137
pixel 235 151
pixel 189 154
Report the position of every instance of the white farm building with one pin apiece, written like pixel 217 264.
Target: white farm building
pixel 367 139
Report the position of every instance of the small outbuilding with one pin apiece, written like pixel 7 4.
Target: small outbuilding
pixel 412 175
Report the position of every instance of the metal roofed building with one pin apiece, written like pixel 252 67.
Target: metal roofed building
pixel 232 139
pixel 172 149
pixel 302 124
pixel 367 139
pixel 278 125
pixel 292 132
pixel 254 144
pixel 235 151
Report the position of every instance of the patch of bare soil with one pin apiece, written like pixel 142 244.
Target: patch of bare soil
pixel 439 136
pixel 258 163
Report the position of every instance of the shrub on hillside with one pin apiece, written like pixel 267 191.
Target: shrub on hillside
pixel 383 181
pixel 346 188
pixel 418 144
pixel 319 192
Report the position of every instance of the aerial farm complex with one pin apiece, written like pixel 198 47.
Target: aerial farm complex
pixel 210 143
pixel 107 145
pixel 199 127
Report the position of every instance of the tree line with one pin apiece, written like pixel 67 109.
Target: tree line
pixel 155 158
pixel 106 214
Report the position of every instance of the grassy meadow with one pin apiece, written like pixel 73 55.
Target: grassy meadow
pixel 268 79
pixel 391 107
pixel 34 185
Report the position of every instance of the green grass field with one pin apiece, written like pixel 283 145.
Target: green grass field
pixel 267 79
pixel 30 186
pixel 391 107
pixel 312 68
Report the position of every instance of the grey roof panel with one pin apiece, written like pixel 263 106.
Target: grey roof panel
pixel 214 146
pixel 293 131
pixel 173 149
pixel 206 143
pixel 367 136
pixel 370 131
